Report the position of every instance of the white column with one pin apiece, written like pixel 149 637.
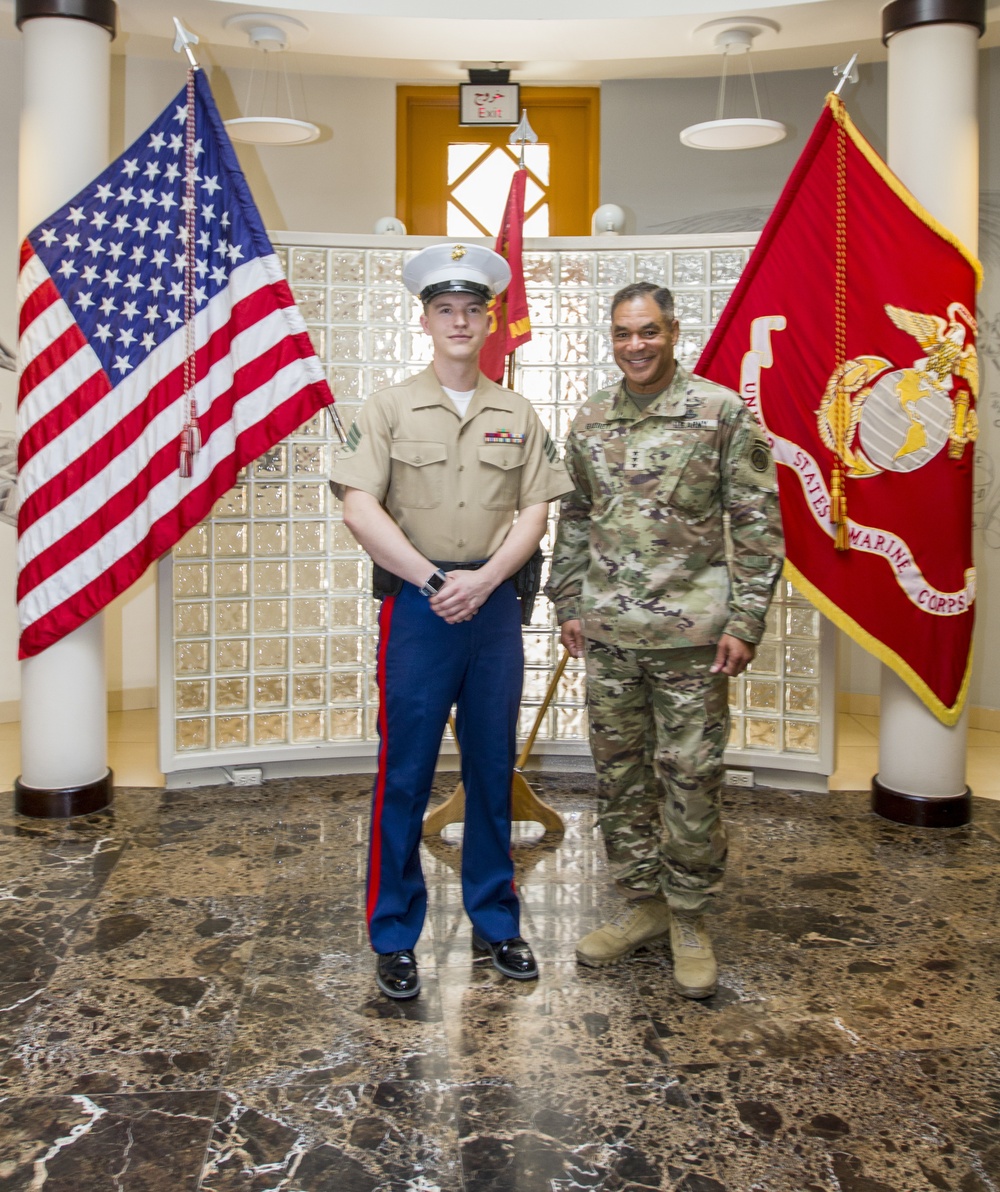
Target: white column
pixel 64 143
pixel 933 146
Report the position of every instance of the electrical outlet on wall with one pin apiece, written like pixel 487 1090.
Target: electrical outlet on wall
pixel 247 776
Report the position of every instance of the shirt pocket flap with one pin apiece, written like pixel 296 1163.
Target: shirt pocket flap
pixel 418 452
pixel 502 455
pixel 690 480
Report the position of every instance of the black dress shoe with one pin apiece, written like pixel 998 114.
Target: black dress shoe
pixel 396 974
pixel 511 957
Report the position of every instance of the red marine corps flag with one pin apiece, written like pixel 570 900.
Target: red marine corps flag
pixel 509 323
pixel 160 351
pixel 852 337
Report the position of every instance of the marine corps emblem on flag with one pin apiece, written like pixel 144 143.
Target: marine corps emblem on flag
pixel 876 417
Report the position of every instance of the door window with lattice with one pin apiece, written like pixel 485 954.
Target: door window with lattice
pixel 478 180
pixel 453 180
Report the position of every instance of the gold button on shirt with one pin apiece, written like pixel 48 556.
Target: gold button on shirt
pixel 452 484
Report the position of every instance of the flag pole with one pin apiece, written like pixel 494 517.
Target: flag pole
pixel 523 135
pixel 510 369
pixel 847 74
pixel 183 41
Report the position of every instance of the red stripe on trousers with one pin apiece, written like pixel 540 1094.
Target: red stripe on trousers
pixel 375 845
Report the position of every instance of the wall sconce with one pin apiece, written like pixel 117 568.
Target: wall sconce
pixel 608 220
pixel 263 124
pixel 389 225
pixel 740 132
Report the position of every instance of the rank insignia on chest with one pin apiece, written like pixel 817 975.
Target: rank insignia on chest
pixel 635 459
pixel 508 438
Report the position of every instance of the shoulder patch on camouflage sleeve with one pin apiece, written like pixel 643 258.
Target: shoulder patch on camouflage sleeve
pixel 755 465
pixel 353 438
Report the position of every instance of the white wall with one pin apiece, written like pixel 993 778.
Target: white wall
pixel 986 674
pixel 339 183
pixel 667 187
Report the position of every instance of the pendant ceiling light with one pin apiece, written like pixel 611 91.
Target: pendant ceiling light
pixel 270 110
pixel 735 132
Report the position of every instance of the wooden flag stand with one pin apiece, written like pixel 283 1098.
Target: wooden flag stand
pixel 525 804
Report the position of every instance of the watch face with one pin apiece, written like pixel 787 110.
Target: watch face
pixel 434 584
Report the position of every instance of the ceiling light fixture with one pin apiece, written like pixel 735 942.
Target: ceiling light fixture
pixel 270 94
pixel 739 132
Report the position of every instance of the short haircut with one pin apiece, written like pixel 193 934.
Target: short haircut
pixel 643 289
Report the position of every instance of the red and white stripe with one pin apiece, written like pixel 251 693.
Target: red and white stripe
pixel 100 492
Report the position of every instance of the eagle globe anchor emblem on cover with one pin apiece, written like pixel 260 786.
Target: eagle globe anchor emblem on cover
pixel 904 416
pixel 876 417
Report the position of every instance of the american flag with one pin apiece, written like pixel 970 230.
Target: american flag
pixel 160 352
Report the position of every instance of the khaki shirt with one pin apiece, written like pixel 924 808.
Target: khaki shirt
pixel 452 484
pixel 640 555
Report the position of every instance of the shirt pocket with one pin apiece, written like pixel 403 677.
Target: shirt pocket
pixel 500 470
pixel 417 473
pixel 693 479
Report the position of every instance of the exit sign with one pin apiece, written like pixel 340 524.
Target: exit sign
pixel 489 103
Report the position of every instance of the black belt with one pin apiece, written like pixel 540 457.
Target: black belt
pixel 460 566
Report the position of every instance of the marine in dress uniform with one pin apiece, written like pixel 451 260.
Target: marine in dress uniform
pixel 642 586
pixel 445 481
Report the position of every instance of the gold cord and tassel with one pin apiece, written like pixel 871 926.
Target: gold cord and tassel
pixel 190 442
pixel 838 475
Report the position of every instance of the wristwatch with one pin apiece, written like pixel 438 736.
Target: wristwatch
pixel 434 584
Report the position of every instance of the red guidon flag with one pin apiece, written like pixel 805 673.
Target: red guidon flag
pixel 160 351
pixel 851 336
pixel 509 323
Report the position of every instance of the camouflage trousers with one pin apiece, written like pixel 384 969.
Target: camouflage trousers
pixel 659 721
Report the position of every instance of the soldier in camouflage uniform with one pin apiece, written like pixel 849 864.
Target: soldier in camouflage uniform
pixel 642 588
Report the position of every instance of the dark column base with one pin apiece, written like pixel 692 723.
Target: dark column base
pixel 908 14
pixel 97 12
pixel 66 802
pixel 921 812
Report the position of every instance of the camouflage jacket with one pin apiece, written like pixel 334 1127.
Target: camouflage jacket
pixel 640 553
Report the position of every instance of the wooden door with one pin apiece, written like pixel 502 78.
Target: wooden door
pixel 453 181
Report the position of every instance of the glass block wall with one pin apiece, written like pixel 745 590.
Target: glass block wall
pixel 268 633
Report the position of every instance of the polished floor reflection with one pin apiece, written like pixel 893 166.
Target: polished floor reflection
pixel 187 1002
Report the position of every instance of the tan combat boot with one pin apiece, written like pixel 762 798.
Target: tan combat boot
pixel 695 971
pixel 636 924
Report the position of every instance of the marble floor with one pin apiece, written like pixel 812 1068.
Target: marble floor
pixel 187 1002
